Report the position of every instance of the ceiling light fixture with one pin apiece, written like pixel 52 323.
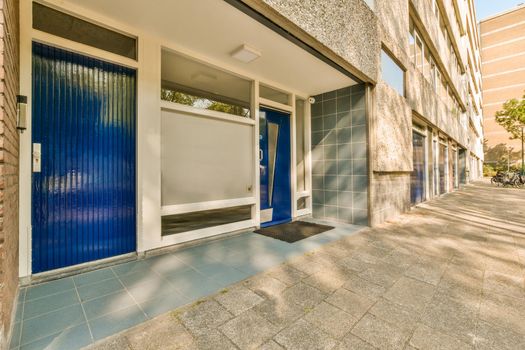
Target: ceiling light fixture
pixel 246 54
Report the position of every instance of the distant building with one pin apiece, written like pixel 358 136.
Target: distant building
pixel 503 69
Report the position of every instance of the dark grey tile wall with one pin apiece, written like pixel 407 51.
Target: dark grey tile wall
pixel 340 168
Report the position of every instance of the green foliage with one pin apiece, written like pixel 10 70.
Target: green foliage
pixel 201 102
pixel 177 97
pixel 512 116
pixel 497 158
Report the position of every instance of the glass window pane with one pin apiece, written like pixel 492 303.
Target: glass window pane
pixel 274 95
pixel 417 178
pixel 301 203
pixel 427 65
pixel 419 53
pixel 195 84
pixel 173 224
pixel 392 74
pixel 72 28
pixel 412 42
pixel 300 132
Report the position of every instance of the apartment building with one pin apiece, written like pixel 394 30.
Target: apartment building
pixel 142 127
pixel 503 67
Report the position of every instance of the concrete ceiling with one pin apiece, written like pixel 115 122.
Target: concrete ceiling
pixel 214 29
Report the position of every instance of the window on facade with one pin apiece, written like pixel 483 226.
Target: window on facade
pixel 443 93
pixel 300 105
pixel 274 95
pixel 419 53
pixel 392 73
pixel 435 75
pixel 72 28
pixel 427 65
pixel 412 41
pixel 189 82
pixel 435 7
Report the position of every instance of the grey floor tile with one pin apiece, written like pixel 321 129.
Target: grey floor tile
pixel 115 322
pixel 133 279
pixel 304 335
pixel 19 310
pixel 15 336
pixel 200 318
pixel 51 323
pixel 249 330
pixel 166 264
pixel 164 303
pixel 146 291
pixel 93 276
pixel 193 284
pixel 213 340
pixel 96 290
pixel 427 338
pixel 165 332
pixel 50 303
pixel 108 303
pixel 49 288
pixel 279 312
pixel 195 257
pixel 229 276
pixel 71 339
pixel 131 267
pixel 380 334
pixel 304 295
pixel 238 299
pixel 331 320
pixel 262 262
pixel 354 304
pixel 21 295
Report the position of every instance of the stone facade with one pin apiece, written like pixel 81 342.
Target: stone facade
pixel 9 80
pixel 333 27
pixel 352 33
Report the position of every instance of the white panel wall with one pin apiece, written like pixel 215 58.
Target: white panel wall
pixel 204 159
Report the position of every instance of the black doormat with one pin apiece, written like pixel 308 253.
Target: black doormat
pixel 293 231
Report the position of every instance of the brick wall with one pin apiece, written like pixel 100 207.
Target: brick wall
pixel 9 87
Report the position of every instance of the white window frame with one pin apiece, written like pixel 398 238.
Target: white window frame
pixel 149 210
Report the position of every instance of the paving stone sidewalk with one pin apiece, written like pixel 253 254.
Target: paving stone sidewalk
pixel 448 275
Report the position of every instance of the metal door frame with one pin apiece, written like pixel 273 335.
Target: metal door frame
pixel 291 115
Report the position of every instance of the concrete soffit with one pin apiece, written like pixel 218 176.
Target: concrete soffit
pixel 294 31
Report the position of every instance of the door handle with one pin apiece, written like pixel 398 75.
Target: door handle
pixel 261 155
pixel 37 157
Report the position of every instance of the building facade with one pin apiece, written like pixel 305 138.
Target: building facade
pixel 151 126
pixel 503 62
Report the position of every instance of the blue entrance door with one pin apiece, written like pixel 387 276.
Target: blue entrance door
pixel 83 183
pixel 417 178
pixel 275 167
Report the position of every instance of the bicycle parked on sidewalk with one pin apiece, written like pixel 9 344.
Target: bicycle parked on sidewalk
pixel 508 179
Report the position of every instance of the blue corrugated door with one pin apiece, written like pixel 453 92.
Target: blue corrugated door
pixel 275 166
pixel 84 118
pixel 417 178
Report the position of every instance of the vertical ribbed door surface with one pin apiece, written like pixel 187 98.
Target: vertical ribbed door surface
pixel 83 198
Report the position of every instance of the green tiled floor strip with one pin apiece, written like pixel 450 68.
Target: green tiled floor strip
pixel 73 312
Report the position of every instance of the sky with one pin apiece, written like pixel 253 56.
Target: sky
pixel 487 8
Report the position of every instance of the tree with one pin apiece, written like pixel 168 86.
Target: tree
pixel 497 157
pixel 512 118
